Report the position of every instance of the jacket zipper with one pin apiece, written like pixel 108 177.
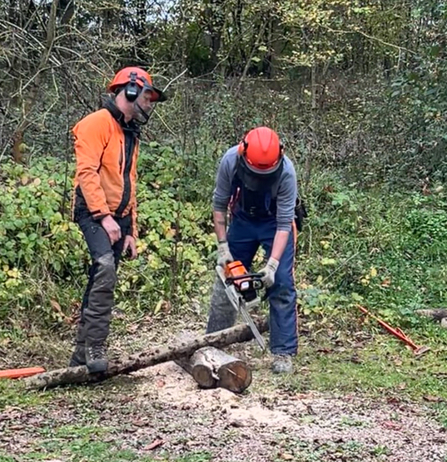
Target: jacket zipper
pixel 129 144
pixel 121 158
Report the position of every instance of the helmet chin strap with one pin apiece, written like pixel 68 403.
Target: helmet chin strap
pixel 143 113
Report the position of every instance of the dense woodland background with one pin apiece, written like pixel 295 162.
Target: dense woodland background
pixel 356 89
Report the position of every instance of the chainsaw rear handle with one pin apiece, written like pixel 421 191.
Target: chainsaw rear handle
pixel 255 276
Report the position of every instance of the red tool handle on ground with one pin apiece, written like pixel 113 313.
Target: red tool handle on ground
pixel 19 373
pixel 395 331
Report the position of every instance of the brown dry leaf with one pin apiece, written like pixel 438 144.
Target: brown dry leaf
pixel 132 329
pixel 24 180
pixel 153 445
pixel 139 422
pixel 286 456
pixel 56 307
pixel 432 399
pixel 392 425
pixel 303 396
pixel 386 283
pixel 37 181
pixel 325 350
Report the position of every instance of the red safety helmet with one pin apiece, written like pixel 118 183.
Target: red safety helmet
pixel 136 76
pixel 262 150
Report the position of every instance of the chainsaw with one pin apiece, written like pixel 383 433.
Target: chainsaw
pixel 242 288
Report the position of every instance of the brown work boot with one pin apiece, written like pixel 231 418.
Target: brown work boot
pixel 282 364
pixel 96 357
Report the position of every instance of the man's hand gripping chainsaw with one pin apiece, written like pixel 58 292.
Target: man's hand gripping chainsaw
pixel 241 288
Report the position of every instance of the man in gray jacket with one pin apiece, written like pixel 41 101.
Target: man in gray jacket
pixel 258 183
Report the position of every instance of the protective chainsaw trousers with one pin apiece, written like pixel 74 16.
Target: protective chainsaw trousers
pixel 98 299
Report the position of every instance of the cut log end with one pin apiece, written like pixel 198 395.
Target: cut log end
pixel 211 368
pixel 235 376
pixel 203 375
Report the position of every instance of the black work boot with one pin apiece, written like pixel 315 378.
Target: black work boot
pixel 78 356
pixel 95 355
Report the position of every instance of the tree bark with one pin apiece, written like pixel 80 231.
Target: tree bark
pixel 436 314
pixel 211 368
pixel 155 355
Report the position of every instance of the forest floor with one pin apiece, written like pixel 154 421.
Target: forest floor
pixel 353 396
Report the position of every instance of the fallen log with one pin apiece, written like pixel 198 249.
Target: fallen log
pixel 136 361
pixel 211 368
pixel 437 314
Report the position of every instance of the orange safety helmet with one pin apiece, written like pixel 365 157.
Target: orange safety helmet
pixel 262 150
pixel 136 79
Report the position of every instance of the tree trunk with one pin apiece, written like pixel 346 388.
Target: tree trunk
pixel 155 355
pixel 435 314
pixel 211 368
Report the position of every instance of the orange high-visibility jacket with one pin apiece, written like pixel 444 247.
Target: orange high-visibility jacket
pixel 106 161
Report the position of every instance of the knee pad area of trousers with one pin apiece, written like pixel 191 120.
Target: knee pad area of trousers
pixel 106 270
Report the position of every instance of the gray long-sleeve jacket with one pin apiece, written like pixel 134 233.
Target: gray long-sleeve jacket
pixel 287 191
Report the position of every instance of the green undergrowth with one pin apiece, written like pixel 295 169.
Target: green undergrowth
pixel 363 243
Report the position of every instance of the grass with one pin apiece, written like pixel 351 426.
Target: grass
pixel 87 451
pixel 380 367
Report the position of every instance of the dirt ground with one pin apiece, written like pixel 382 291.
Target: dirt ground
pixel 160 411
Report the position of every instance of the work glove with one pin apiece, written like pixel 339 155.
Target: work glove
pixel 269 272
pixel 223 254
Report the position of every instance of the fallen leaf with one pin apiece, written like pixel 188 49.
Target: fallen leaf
pixel 391 425
pixel 56 307
pixel 286 456
pixel 139 423
pixel 37 181
pixel 325 350
pixel 153 445
pixel 432 399
pixel 132 329
pixel 303 396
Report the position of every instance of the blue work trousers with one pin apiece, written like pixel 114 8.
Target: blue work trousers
pixel 245 235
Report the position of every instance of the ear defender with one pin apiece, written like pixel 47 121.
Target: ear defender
pixel 242 148
pixel 132 90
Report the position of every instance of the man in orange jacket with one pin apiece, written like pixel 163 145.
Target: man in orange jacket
pixel 104 201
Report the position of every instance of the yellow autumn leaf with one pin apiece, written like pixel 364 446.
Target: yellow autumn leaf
pixel 373 272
